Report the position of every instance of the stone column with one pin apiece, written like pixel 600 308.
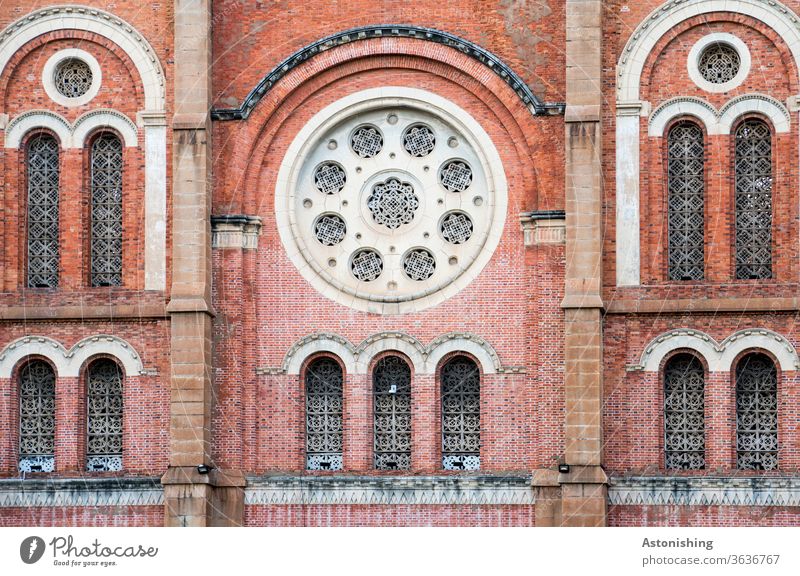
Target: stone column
pixel 583 488
pixel 193 498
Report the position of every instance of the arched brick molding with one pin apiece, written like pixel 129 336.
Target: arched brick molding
pixel 629 107
pixel 152 117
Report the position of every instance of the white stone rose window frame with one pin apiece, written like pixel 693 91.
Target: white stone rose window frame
pixel 391 200
pixel 708 51
pixel 72 77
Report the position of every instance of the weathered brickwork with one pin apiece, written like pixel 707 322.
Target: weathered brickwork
pixel 569 321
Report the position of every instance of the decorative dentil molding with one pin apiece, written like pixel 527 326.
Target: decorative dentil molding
pixel 68 363
pixel 718 355
pixel 357 358
pixel 235 231
pixel 544 227
pixel 390 490
pixel 704 491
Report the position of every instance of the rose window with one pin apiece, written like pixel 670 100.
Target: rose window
pixel 719 63
pixel 392 203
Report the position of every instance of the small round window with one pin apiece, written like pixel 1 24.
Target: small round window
pixel 73 78
pixel 719 63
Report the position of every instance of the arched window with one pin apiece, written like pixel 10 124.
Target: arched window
pixel 324 415
pixel 686 181
pixel 104 416
pixel 461 414
pixel 37 417
pixel 684 413
pixel 753 165
pixel 42 207
pixel 392 405
pixel 756 413
pixel 106 211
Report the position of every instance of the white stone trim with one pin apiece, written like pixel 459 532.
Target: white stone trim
pixel 704 491
pixel 683 106
pixel 87 19
pixel 358 358
pixel 86 123
pixel 33 119
pixel 70 135
pixel 696 52
pixel 155 201
pixel 414 490
pixel 759 103
pixel 239 232
pixel 68 363
pixel 388 341
pixel 629 71
pixel 49 70
pixel 719 122
pixel 315 344
pixel 361 102
pixel 670 14
pixel 92 492
pixel 628 251
pixel 718 356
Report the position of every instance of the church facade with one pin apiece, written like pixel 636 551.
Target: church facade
pixel 505 263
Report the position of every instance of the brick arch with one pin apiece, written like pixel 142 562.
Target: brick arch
pixel 664 19
pixel 84 19
pixel 294 99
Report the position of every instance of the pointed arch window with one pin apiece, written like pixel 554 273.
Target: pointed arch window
pixel 686 182
pixel 753 165
pixel 461 414
pixel 756 413
pixel 106 242
pixel 392 414
pixel 42 207
pixel 104 416
pixel 324 404
pixel 684 413
pixel 37 417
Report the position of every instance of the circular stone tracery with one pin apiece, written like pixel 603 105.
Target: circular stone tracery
pixel 389 203
pixel 719 63
pixel 393 203
pixel 73 78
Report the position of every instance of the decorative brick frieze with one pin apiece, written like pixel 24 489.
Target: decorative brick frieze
pixel 390 490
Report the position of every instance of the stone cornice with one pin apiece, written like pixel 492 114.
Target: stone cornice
pixel 17 493
pixel 705 491
pixel 492 62
pixel 431 490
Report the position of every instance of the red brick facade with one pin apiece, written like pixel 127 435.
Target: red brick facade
pixel 259 321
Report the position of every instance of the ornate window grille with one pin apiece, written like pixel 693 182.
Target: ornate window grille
pixel 719 63
pixel 37 417
pixel 392 404
pixel 104 417
pixel 324 415
pixel 686 181
pixel 753 200
pixel 756 413
pixel 107 211
pixel 43 170
pixel 461 415
pixel 684 413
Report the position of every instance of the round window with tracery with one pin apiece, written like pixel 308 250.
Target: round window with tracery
pixel 73 78
pixel 391 204
pixel 719 63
